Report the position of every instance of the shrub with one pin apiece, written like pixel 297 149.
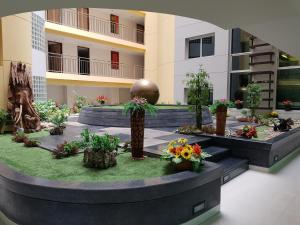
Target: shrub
pixel 104 143
pixel 44 109
pixel 58 118
pixel 138 104
pixel 80 102
pixel 253 99
pixel 198 93
pixel 66 149
pixel 4 116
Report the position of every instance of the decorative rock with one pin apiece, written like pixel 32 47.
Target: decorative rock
pixel 100 159
pixel 145 89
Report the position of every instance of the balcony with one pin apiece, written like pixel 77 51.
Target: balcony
pixel 94 24
pixel 58 63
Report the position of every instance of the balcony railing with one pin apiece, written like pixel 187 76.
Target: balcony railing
pixel 73 18
pixel 84 66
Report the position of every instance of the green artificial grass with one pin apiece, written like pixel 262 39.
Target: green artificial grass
pixel 38 162
pixel 157 106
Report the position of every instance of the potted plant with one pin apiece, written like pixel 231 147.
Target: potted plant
pixel 66 149
pixel 137 108
pixel 58 118
pixel 29 142
pixel 247 132
pixel 221 114
pixel 238 104
pixel 102 152
pixel 101 99
pixel 19 136
pixel 287 105
pixel 184 156
pixel 4 117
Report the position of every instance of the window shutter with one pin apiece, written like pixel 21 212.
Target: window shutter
pixel 114 24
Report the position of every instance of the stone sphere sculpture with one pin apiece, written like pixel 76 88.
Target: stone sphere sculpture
pixel 145 89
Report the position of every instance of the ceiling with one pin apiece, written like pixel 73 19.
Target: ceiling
pixel 276 22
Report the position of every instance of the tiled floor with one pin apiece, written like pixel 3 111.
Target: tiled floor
pixel 256 198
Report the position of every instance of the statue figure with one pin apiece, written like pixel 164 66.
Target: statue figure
pixel 20 99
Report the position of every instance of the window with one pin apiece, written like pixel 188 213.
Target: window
pixel 204 46
pixel 55 60
pixel 115 60
pixel 208 46
pixel 194 48
pixel 37 32
pixel 239 41
pixel 140 33
pixel 288 87
pixel 238 84
pixel 114 24
pixel 287 60
pixel 240 62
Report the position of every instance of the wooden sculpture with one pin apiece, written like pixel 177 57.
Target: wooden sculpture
pixel 20 99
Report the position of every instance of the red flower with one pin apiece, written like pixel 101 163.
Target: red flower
pixel 197 149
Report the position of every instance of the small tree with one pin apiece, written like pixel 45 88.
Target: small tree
pixel 198 93
pixel 253 99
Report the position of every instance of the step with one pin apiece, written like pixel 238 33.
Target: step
pixel 260 54
pixel 233 167
pixel 259 63
pixel 217 153
pixel 259 45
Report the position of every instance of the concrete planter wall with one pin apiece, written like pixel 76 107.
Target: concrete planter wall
pixel 115 117
pixel 172 199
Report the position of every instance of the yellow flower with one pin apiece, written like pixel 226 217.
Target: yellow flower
pixel 182 141
pixel 186 153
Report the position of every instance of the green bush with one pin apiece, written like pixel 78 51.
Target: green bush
pixel 253 99
pixel 4 116
pixel 58 117
pixel 104 143
pixel 44 109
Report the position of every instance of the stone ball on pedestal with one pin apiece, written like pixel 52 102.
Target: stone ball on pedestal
pixel 145 89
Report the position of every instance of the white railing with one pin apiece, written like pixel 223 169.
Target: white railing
pixel 83 66
pixel 72 18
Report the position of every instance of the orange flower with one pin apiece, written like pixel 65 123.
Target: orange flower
pixel 172 150
pixel 197 149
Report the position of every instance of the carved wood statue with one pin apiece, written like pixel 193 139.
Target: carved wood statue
pixel 20 99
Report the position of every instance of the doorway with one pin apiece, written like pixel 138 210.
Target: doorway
pixel 83 60
pixel 55 59
pixel 83 22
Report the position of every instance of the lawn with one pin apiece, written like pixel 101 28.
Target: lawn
pixel 40 163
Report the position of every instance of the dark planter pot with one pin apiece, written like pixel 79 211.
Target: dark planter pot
pixel 183 166
pixel 137 121
pixel 239 106
pixel 100 159
pixel 221 114
pixel 57 131
pixel 287 107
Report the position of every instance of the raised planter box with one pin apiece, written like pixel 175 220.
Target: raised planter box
pixel 172 199
pixel 261 153
pixel 115 117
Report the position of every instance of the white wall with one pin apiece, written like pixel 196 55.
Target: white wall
pixel 66 94
pixel 216 65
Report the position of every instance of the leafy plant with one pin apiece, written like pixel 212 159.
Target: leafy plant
pixel 29 142
pixel 253 99
pixel 85 134
pixel 105 143
pixel 58 118
pixel 66 149
pixel 247 132
pixel 178 103
pixel 44 109
pixel 220 103
pixel 198 93
pixel 19 136
pixel 80 102
pixel 4 116
pixel 138 104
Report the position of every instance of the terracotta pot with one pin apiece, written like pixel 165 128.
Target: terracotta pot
pixel 221 114
pixel 137 120
pixel 183 166
pixel 100 159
